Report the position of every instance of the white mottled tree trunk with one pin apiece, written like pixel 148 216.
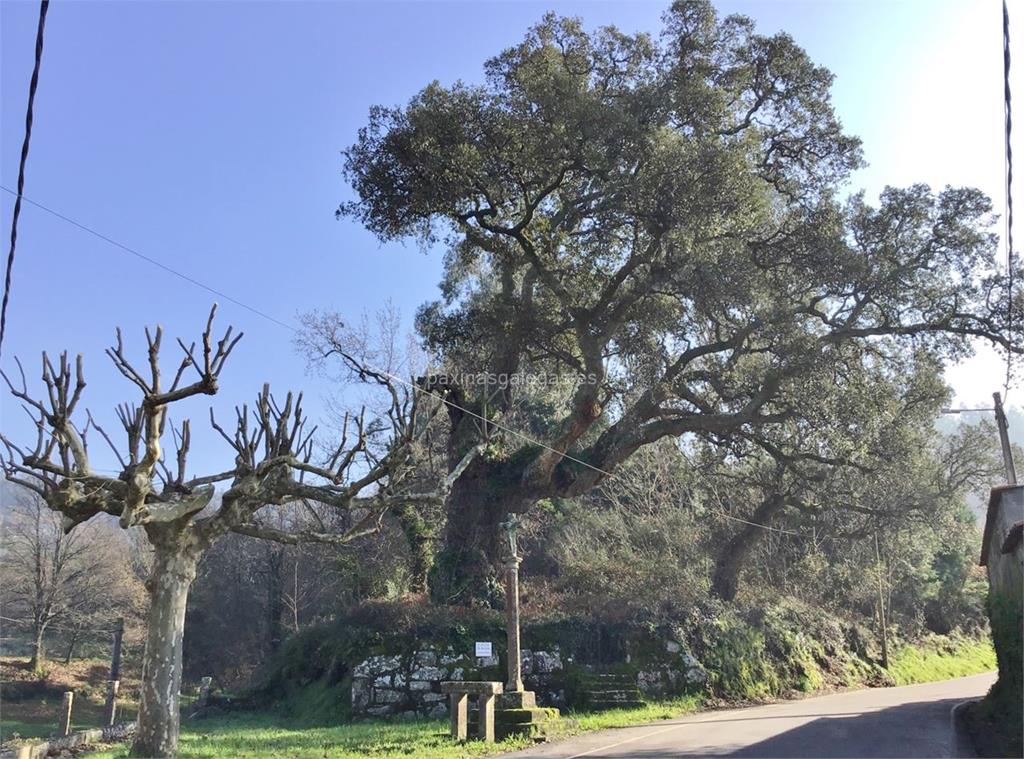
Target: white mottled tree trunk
pixel 174 569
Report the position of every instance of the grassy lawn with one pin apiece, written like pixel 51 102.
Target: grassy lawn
pixel 38 718
pixel 30 706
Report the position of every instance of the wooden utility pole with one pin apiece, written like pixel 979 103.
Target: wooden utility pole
pixel 114 681
pixel 881 607
pixel 1004 440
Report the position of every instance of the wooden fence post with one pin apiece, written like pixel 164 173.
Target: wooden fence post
pixel 115 657
pixel 64 728
pixel 110 711
pixel 114 682
pixel 205 685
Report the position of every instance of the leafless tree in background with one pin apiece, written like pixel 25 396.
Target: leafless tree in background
pixel 73 581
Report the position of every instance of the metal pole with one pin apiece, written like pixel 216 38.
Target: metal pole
pixel 1004 440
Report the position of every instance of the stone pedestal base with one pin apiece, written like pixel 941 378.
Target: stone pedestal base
pixel 517 699
pixel 517 713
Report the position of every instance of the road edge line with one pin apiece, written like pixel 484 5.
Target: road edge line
pixel 962 747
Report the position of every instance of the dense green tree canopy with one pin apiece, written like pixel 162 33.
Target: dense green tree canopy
pixel 663 217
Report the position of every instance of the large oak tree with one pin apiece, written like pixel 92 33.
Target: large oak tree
pixel 661 216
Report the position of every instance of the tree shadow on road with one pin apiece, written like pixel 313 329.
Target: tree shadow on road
pixel 916 729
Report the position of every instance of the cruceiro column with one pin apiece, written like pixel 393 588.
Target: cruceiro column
pixel 517 712
pixel 515 668
pixel 511 554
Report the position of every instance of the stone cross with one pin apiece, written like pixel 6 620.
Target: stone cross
pixel 515 675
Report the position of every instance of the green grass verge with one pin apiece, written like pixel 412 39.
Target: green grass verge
pixel 927 663
pixel 255 735
pixel 272 735
pixel 264 735
pixel 654 711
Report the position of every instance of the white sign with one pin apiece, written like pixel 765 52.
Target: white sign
pixel 483 648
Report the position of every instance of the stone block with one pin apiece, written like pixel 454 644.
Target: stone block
pixel 651 682
pixel 522 699
pixel 385 696
pixel 672 647
pixel 696 676
pixel 427 673
pixel 547 661
pixel 426 658
pixel 524 716
pixel 526 662
pixel 485 717
pixel 376 665
pixel 420 685
pixel 459 715
pixel 360 700
pixel 534 722
pixel 475 687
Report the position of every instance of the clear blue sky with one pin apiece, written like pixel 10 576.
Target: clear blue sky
pixel 208 136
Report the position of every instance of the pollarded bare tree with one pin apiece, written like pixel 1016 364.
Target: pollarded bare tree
pixel 363 474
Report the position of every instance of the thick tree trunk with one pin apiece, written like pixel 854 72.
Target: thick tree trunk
pixel 38 650
pixel 174 569
pixel 468 568
pixel 734 555
pixel 275 597
pixel 71 646
pixel 420 540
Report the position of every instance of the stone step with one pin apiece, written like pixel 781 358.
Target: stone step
pixel 536 722
pixel 526 716
pixel 603 705
pixel 611 690
pixel 603 679
pixel 611 694
pixel 609 685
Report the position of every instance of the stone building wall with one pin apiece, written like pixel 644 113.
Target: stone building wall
pixel 1002 553
pixel 1002 548
pixel 409 685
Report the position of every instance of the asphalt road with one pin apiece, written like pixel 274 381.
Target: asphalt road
pixel 909 721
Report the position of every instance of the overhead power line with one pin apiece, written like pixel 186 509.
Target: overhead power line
pixel 43 7
pixel 153 261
